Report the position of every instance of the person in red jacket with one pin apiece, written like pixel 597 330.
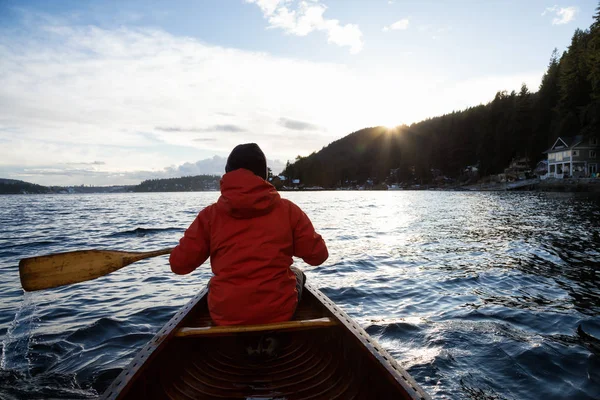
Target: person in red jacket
pixel 250 235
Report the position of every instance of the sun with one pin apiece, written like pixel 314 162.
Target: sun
pixel 392 127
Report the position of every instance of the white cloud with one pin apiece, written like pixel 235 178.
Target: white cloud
pixel 153 98
pixel 211 166
pixel 304 17
pixel 75 173
pixel 400 25
pixel 131 100
pixel 268 7
pixel 564 15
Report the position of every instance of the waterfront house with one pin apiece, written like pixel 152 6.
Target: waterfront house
pixel 541 169
pixel 518 169
pixel 575 157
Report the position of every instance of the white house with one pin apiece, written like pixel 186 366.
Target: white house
pixel 573 157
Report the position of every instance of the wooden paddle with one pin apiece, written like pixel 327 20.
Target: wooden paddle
pixel 61 269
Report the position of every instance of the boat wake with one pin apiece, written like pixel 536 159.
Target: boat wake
pixel 17 341
pixel 17 385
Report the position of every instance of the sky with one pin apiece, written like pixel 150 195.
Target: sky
pixel 114 92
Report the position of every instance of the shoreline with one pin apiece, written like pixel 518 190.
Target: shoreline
pixel 574 185
pixel 579 185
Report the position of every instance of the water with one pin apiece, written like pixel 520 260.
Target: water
pixel 478 295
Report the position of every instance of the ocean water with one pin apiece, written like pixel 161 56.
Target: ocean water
pixel 477 295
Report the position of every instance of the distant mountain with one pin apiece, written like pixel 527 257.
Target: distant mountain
pixel 184 184
pixel 13 186
pixel 366 155
pixel 10 181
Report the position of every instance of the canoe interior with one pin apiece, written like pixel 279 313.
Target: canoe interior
pixel 318 363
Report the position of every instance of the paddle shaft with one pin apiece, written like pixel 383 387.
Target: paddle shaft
pixel 141 256
pixel 61 269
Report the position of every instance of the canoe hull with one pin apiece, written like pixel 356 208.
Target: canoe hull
pixel 339 361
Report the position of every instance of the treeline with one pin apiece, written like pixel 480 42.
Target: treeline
pixel 183 184
pixel 522 124
pixel 12 186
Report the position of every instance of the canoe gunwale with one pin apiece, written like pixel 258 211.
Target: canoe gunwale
pixel 383 357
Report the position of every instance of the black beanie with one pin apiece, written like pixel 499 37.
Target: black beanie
pixel 248 156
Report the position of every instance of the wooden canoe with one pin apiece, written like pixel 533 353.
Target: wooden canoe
pixel 321 354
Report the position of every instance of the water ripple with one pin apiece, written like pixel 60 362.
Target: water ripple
pixel 478 295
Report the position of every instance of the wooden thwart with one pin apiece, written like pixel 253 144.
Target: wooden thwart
pixel 278 326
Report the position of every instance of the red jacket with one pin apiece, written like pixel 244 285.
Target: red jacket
pixel 250 234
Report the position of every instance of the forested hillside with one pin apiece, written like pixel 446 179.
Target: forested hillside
pixel 183 184
pixel 12 186
pixel 522 124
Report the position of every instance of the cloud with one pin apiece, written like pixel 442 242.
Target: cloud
pixel 214 128
pixel 212 166
pixel 224 128
pixel 297 125
pixel 74 93
pixel 564 15
pixel 205 140
pixel 303 17
pixel 66 175
pixel 139 99
pixel 87 163
pixel 400 25
pixel 209 166
pixel 177 129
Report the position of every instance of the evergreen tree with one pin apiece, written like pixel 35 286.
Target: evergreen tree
pixel 574 87
pixel 594 55
pixel 592 111
pixel 544 118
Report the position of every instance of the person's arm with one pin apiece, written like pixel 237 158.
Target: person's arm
pixel 194 246
pixel 308 244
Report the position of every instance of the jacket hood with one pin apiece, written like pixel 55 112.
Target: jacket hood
pixel 245 195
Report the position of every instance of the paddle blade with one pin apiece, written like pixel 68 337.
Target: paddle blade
pixel 60 269
pixel 65 268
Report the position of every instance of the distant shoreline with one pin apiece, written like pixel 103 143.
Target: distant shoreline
pixel 211 184
pixel 555 185
pixel 590 185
